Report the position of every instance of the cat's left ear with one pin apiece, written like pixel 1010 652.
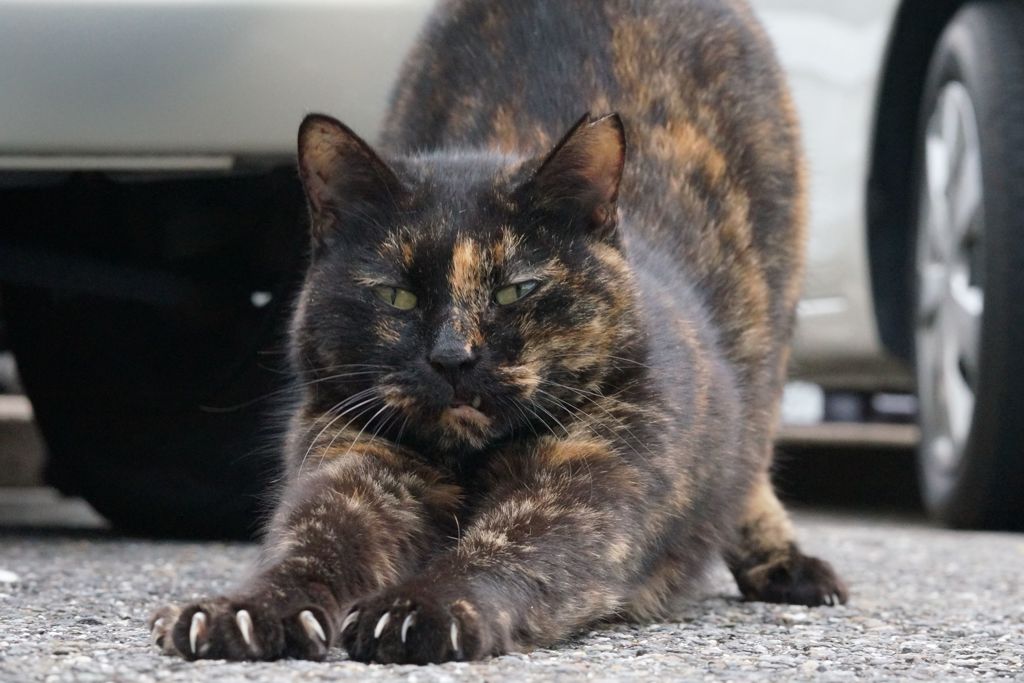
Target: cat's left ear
pixel 579 179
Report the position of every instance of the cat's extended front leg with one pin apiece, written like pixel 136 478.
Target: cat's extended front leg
pixel 358 522
pixel 552 546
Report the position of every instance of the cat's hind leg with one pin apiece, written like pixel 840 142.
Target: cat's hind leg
pixel 767 562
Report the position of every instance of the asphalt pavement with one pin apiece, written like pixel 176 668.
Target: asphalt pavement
pixel 926 604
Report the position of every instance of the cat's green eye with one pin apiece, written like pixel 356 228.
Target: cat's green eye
pixel 513 293
pixel 402 299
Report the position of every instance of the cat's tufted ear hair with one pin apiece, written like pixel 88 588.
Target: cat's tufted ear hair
pixel 579 179
pixel 345 181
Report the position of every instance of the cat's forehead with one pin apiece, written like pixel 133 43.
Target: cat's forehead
pixel 471 249
pixel 455 192
pixel 463 225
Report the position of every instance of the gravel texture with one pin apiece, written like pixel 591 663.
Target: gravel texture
pixel 926 604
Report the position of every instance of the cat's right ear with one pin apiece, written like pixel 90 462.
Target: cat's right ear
pixel 344 179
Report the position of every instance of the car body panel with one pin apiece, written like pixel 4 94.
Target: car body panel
pixel 217 84
pixel 224 77
pixel 834 55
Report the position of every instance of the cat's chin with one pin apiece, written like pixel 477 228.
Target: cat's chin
pixel 461 425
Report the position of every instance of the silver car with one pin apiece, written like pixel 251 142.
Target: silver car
pixel 153 228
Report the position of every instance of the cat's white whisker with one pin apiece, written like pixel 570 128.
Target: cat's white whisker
pixel 526 418
pixel 347 410
pixel 372 418
pixel 549 414
pixel 401 430
pixel 587 396
pixel 341 431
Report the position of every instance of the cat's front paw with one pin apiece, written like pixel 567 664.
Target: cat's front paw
pixel 241 630
pixel 796 579
pixel 410 626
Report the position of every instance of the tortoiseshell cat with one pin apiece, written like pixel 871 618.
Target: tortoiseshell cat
pixel 540 370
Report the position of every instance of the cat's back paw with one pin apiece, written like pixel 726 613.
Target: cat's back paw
pixel 795 579
pixel 221 628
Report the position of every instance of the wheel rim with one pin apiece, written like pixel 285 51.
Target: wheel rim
pixel 950 299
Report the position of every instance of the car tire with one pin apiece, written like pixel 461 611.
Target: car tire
pixel 149 330
pixel 969 270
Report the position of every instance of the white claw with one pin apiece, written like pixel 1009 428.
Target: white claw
pixel 407 623
pixel 158 630
pixel 311 626
pixel 244 621
pixel 349 620
pixel 455 636
pixel 196 629
pixel 379 628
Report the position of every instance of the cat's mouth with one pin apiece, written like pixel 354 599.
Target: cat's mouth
pixel 461 409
